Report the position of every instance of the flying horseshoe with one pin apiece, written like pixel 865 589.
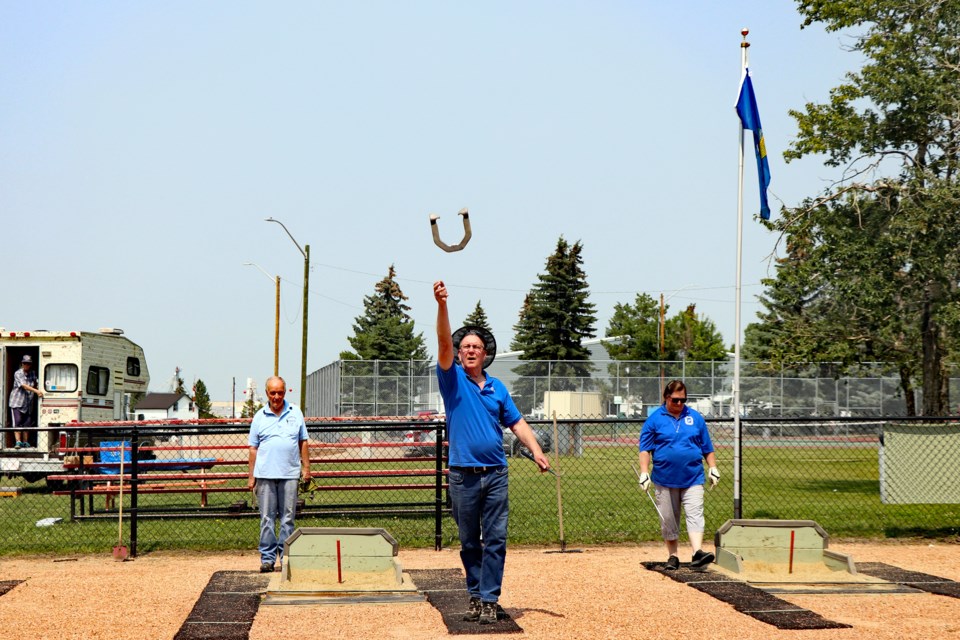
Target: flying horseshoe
pixel 466 232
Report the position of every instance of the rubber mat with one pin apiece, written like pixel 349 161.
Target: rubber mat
pixel 226 608
pixel 748 600
pixel 7 585
pixel 447 592
pixel 916 580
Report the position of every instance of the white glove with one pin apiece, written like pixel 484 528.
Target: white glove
pixel 644 481
pixel 714 476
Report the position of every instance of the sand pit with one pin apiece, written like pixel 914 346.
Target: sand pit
pixel 603 592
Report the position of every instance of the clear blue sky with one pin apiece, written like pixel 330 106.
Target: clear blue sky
pixel 143 144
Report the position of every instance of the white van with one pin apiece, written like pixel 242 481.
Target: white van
pixel 86 376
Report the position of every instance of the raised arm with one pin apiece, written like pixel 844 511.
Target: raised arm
pixel 444 337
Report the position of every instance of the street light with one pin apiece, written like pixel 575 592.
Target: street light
pixel 276 331
pixel 305 251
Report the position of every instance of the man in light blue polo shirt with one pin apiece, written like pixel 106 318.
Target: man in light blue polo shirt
pixel 478 406
pixel 278 456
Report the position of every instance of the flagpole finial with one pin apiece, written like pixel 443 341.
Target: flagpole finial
pixel 744 32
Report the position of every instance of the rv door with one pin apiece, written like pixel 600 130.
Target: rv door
pixel 118 412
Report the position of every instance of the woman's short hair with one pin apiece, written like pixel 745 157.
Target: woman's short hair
pixel 674 385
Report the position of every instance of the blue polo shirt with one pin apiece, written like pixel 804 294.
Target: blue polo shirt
pixel 475 417
pixel 678 446
pixel 277 439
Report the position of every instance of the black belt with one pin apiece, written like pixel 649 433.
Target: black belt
pixel 476 469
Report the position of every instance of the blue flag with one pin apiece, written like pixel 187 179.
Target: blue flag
pixel 750 117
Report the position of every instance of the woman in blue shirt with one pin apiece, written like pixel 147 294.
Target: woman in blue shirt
pixel 676 439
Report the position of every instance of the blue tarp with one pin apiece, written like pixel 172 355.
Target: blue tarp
pixel 110 460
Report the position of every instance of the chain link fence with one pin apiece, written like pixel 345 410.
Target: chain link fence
pixel 625 389
pixel 185 484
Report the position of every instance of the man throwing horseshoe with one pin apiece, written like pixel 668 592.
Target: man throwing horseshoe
pixel 478 407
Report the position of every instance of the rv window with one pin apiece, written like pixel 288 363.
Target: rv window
pixel 60 377
pixel 133 367
pixel 97 380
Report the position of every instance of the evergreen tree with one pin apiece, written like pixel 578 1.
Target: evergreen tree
pixel 178 387
pixel 385 331
pixel 202 399
pixel 555 319
pixel 478 318
pixel 394 356
pixel 250 408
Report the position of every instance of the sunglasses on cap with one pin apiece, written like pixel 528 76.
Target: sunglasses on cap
pixel 678 400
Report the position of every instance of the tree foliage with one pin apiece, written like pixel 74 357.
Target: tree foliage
pixel 478 318
pixel 555 319
pixel 638 327
pixel 688 336
pixel 177 383
pixel 685 335
pixel 250 408
pixel 385 331
pixel 871 267
pixel 201 398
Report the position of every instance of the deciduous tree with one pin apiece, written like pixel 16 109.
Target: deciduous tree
pixel 872 267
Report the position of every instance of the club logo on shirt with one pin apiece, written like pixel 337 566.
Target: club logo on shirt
pixel 688 421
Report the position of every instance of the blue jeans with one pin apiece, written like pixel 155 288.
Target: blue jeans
pixel 480 506
pixel 278 499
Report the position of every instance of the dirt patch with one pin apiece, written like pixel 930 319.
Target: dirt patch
pixel 604 592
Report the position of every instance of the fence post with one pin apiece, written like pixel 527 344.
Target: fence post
pixel 134 472
pixel 438 505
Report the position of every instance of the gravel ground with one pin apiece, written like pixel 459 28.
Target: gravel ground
pixel 603 592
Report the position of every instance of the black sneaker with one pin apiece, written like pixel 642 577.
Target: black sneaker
pixel 488 613
pixel 673 563
pixel 473 610
pixel 501 614
pixel 266 568
pixel 701 559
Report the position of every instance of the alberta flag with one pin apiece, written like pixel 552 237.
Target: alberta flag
pixel 750 117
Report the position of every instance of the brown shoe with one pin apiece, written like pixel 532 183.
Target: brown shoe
pixel 488 613
pixel 473 610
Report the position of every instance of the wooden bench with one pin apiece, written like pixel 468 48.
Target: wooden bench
pixel 197 475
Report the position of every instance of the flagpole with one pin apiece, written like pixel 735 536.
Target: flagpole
pixel 737 449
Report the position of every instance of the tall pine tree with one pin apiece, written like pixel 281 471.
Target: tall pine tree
pixel 385 331
pixel 478 318
pixel 555 320
pixel 201 398
pixel 385 341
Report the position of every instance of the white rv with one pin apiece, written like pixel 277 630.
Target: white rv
pixel 86 376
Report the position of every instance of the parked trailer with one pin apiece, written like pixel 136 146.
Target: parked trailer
pixel 86 376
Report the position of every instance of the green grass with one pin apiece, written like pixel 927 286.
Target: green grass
pixel 837 486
